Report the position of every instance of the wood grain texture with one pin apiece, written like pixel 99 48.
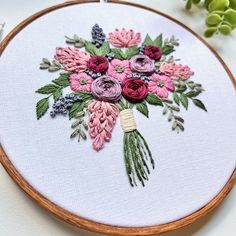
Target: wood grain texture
pixel 85 223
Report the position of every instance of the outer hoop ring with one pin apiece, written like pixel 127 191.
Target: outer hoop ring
pixel 85 223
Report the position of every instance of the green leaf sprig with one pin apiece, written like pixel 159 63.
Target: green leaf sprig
pixel 221 18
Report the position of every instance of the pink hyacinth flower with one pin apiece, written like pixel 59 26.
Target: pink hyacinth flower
pixel 80 82
pixel 102 119
pixel 119 69
pixel 124 38
pixel 160 85
pixel 72 59
pixel 176 70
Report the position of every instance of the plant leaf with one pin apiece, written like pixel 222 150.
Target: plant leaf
pixel 57 94
pixel 166 50
pixel 213 19
pixel 191 94
pixel 62 80
pixel 77 107
pixel 118 53
pixel 210 32
pixel 93 50
pixel 184 100
pixel 158 41
pixel 104 49
pixel 176 98
pixel 47 89
pixel 154 100
pixel 130 52
pixel 41 107
pixel 148 41
pixel 199 104
pixel 85 96
pixel 142 107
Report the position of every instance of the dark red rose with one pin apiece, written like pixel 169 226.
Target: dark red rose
pixel 134 90
pixel 98 64
pixel 153 52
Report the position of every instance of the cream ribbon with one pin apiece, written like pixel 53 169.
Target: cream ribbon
pixel 127 120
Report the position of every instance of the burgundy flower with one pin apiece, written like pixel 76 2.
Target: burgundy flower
pixel 134 90
pixel 98 64
pixel 153 52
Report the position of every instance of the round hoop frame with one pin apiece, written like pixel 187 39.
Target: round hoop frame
pixel 85 223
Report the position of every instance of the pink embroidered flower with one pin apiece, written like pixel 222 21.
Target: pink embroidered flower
pixel 102 119
pixel 73 60
pixel 106 89
pixel 119 69
pixel 160 85
pixel 80 82
pixel 124 38
pixel 142 64
pixel 176 70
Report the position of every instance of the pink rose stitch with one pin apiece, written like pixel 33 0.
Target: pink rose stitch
pixel 176 70
pixel 80 82
pixel 124 38
pixel 160 85
pixel 73 60
pixel 119 69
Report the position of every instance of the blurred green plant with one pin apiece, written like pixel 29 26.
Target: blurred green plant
pixel 221 18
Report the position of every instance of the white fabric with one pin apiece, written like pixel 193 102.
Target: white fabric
pixel 191 168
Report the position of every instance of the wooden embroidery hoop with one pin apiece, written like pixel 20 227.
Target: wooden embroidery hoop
pixel 85 223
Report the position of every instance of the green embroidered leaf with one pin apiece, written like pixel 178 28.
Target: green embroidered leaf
pixel 154 100
pixel 94 51
pixel 166 50
pixel 85 96
pixel 192 94
pixel 104 49
pixel 41 107
pixel 199 104
pixel 130 52
pixel 77 107
pixel 158 41
pixel 181 89
pixel 176 98
pixel 91 48
pixel 184 100
pixel 148 41
pixel 62 80
pixel 57 94
pixel 47 89
pixel 118 53
pixel 142 107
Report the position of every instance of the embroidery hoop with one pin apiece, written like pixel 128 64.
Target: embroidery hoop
pixel 84 223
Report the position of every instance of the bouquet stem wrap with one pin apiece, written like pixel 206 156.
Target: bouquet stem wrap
pixel 136 150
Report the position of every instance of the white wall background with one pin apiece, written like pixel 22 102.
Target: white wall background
pixel 20 216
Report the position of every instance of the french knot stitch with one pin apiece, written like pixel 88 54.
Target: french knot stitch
pixel 127 120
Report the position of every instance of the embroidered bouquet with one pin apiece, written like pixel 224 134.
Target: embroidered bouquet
pixel 110 77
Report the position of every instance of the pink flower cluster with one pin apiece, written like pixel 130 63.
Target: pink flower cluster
pixel 176 71
pixel 124 38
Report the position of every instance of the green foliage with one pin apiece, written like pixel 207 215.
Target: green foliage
pixel 94 51
pixel 41 107
pixel 221 18
pixel 125 55
pixel 143 108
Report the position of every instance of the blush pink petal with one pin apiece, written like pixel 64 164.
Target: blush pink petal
pixel 72 59
pixel 124 38
pixel 176 70
pixel 102 119
pixel 167 85
pixel 119 75
pixel 76 85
